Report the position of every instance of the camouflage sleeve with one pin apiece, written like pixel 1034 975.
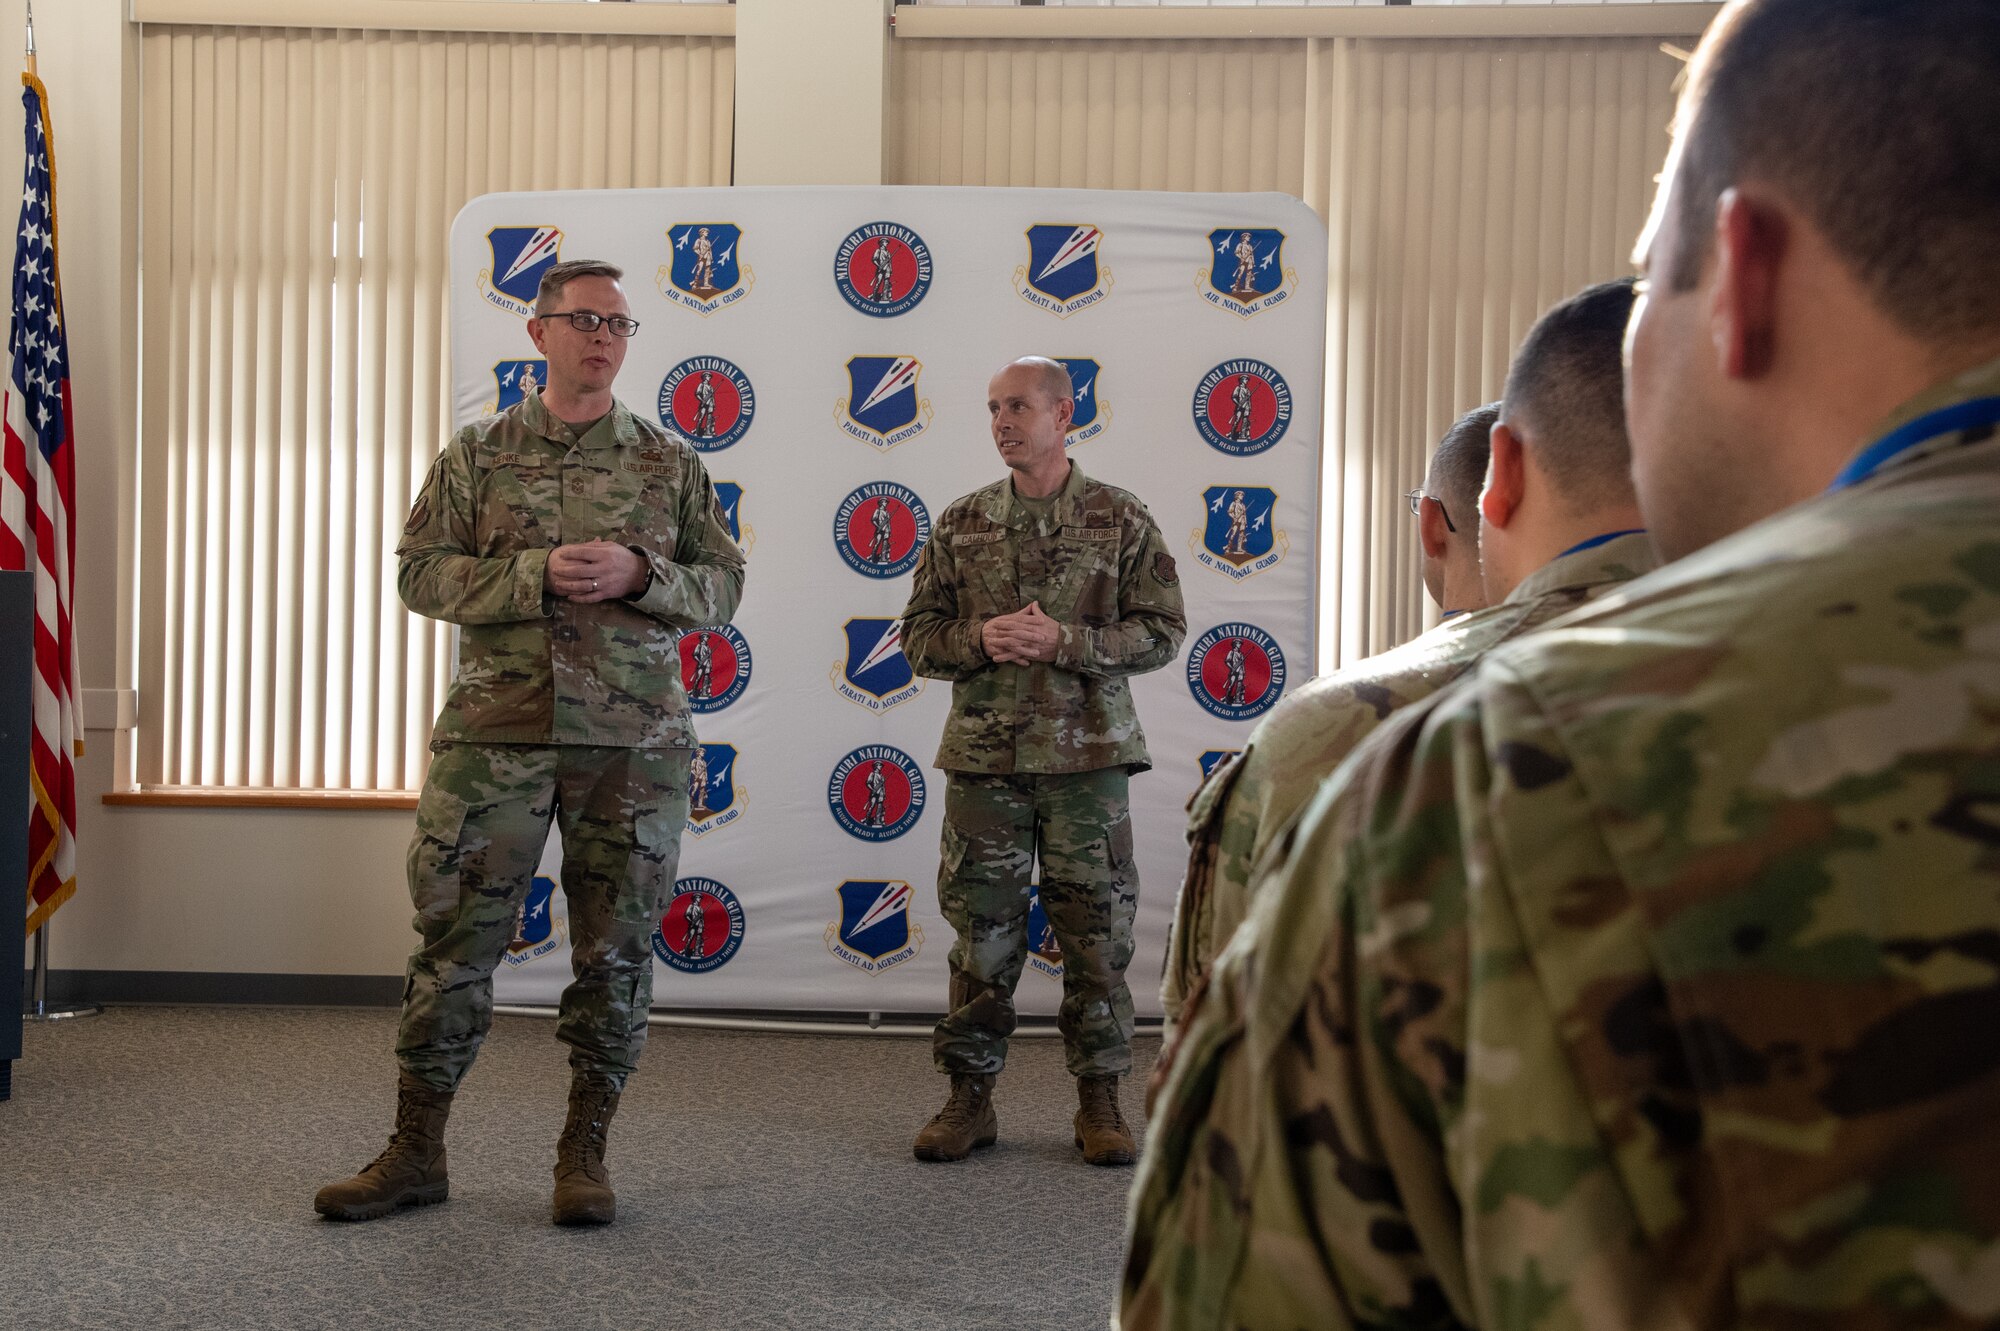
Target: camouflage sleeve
pixel 703 583
pixel 937 642
pixel 1295 1175
pixel 1151 619
pixel 438 574
pixel 1192 939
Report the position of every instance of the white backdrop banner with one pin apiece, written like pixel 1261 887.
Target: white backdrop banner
pixel 828 351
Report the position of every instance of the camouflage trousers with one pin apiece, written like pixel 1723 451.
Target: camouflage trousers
pixel 481 824
pixel 1079 825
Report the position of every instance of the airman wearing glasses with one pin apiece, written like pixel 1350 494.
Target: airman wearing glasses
pixel 571 540
pixel 1557 506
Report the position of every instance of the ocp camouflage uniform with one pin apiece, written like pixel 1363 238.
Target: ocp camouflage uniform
pixel 1247 801
pixel 558 710
pixel 1648 978
pixel 1038 755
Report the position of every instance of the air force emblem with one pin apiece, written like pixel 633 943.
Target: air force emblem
pixel 874 931
pixel 715 667
pixel 521 254
pixel 1044 951
pixel 1236 671
pixel 714 798
pixel 537 930
pixel 883 269
pixel 882 406
pixel 1091 412
pixel 729 501
pixel 1246 271
pixel 704 271
pixel 701 928
pixel 1213 758
pixel 1239 538
pixel 1242 407
pixel 1063 273
pixel 708 402
pixel 876 793
pixel 875 674
pixel 514 380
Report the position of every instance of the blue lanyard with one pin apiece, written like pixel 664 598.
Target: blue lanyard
pixel 1946 420
pixel 1596 541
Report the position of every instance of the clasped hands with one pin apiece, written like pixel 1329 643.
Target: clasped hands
pixel 594 571
pixel 1024 636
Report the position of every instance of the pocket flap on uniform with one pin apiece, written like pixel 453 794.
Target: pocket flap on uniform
pixel 952 847
pixel 440 814
pixel 1119 843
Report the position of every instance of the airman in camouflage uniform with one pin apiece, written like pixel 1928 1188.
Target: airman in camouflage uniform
pixel 571 555
pixel 1649 976
pixel 1037 596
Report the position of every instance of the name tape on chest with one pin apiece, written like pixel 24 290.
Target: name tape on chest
pixel 1090 533
pixel 977 537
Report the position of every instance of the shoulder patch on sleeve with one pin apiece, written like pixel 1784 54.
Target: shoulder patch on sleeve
pixel 1164 571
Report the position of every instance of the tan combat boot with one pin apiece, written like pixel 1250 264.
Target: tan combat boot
pixel 1101 1133
pixel 966 1122
pixel 410 1173
pixel 583 1185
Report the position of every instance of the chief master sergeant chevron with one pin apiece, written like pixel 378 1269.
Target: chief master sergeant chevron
pixel 1037 596
pixel 1650 975
pixel 571 540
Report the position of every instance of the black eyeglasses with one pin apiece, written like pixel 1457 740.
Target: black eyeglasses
pixel 589 321
pixel 1417 497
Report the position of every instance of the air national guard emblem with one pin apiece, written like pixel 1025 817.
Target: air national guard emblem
pixel 1212 759
pixel 714 798
pixel 875 674
pixel 514 380
pixel 1246 271
pixel 876 793
pixel 521 254
pixel 729 497
pixel 1063 273
pixel 874 931
pixel 1238 538
pixel 882 406
pixel 708 402
pixel 537 931
pixel 1236 671
pixel 1044 952
pixel 881 528
pixel 704 271
pixel 701 928
pixel 715 667
pixel 1242 407
pixel 883 269
pixel 1091 412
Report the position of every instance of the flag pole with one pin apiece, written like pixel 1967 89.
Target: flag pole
pixel 32 71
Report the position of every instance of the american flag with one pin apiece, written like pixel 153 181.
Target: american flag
pixel 37 496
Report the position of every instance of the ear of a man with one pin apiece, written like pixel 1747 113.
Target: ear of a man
pixel 1432 531
pixel 1506 478
pixel 1750 243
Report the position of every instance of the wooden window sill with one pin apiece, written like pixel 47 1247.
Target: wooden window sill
pixel 211 797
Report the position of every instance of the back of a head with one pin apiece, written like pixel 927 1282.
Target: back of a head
pixel 1876 118
pixel 1458 468
pixel 1566 396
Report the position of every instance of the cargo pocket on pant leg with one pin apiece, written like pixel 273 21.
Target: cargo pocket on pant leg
pixel 434 856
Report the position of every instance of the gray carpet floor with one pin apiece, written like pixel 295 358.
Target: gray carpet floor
pixel 157 1167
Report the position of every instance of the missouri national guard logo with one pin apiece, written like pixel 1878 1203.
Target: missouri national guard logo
pixel 1238 538
pixel 875 674
pixel 1063 273
pixel 883 269
pixel 1214 758
pixel 1092 413
pixel 708 402
pixel 537 931
pixel 881 529
pixel 701 927
pixel 729 497
pixel 1044 952
pixel 521 254
pixel 1236 671
pixel 1242 407
pixel 874 931
pixel 704 272
pixel 1246 272
pixel 882 406
pixel 514 380
pixel 714 798
pixel 876 793
pixel 715 667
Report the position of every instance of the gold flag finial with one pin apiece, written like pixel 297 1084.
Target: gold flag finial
pixel 31 38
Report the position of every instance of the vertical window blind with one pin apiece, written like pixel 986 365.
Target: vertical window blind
pixel 297 187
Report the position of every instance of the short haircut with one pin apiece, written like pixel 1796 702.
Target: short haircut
pixel 1458 468
pixel 561 275
pixel 1876 118
pixel 1566 394
pixel 1054 375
